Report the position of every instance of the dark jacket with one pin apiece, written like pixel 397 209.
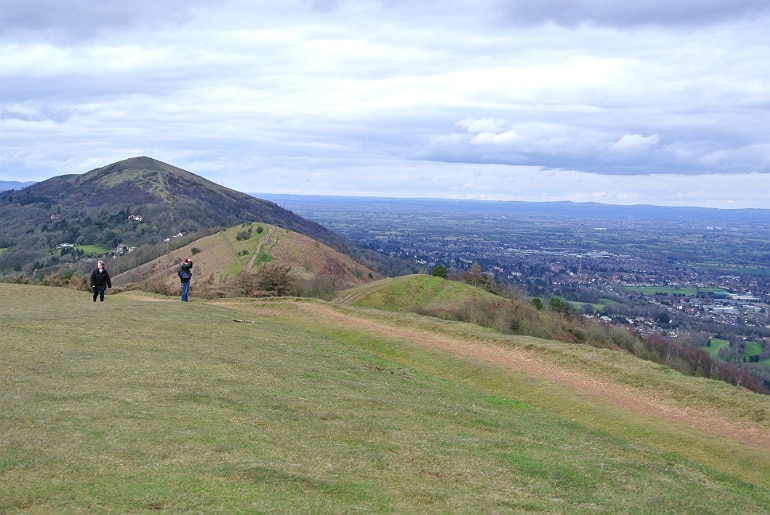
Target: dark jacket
pixel 186 267
pixel 100 281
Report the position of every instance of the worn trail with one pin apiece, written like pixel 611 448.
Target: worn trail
pixel 622 396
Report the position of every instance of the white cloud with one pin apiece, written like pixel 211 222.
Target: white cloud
pixel 636 143
pixel 494 125
pixel 489 138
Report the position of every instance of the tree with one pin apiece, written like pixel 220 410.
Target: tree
pixel 474 276
pixel 557 304
pixel 275 279
pixel 440 271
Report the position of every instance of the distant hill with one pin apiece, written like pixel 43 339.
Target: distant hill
pixel 219 257
pixel 14 185
pixel 139 201
pixel 319 205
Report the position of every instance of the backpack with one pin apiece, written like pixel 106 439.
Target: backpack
pixel 184 274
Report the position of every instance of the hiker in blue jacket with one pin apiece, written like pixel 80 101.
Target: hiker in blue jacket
pixel 185 274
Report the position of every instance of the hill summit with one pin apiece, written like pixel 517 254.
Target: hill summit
pixel 138 201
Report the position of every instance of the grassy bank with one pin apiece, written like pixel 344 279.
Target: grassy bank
pixel 142 403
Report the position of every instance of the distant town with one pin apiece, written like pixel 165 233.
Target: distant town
pixel 705 272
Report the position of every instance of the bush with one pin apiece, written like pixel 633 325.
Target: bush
pixel 271 279
pixel 160 287
pixel 440 271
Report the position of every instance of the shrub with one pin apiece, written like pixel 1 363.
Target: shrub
pixel 440 271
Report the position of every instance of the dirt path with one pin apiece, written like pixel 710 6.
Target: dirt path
pixel 262 241
pixel 625 397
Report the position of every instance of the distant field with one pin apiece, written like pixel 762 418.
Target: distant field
pixel 733 269
pixel 752 349
pixel 660 290
pixel 716 345
pixel 93 250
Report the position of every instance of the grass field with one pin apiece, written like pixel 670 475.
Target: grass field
pixel 662 290
pixel 93 250
pixel 143 403
pixel 752 348
pixel 716 345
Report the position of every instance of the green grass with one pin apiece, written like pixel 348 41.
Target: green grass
pixel 93 250
pixel 245 249
pixel 410 293
pixel 142 403
pixel 716 345
pixel 687 292
pixel 752 349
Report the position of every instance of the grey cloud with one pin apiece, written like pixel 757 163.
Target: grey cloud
pixel 324 5
pixel 38 115
pixel 624 13
pixel 78 20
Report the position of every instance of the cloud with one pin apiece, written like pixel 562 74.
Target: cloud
pixel 489 131
pixel 494 125
pixel 490 138
pixel 636 143
pixel 38 115
pixel 621 13
pixel 324 94
pixel 78 20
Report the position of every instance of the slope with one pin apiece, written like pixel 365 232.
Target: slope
pixel 417 293
pixel 317 407
pixel 244 248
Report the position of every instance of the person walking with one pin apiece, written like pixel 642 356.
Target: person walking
pixel 100 281
pixel 185 274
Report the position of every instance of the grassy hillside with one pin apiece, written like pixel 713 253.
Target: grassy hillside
pixel 219 257
pixel 412 293
pixel 449 300
pixel 143 403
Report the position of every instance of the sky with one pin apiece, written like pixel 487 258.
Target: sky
pixel 611 101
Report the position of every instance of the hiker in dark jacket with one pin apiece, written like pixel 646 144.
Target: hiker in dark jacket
pixel 185 274
pixel 100 281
